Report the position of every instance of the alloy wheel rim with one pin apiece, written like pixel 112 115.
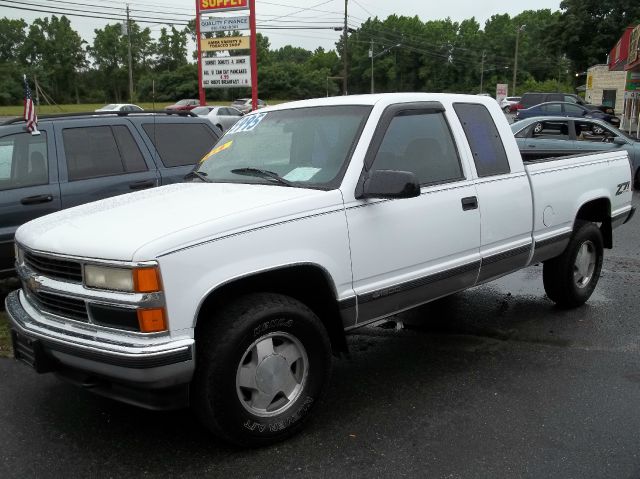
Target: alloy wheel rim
pixel 585 264
pixel 272 374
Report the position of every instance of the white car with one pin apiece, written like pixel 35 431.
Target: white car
pixel 307 220
pixel 245 105
pixel 224 117
pixel 508 103
pixel 120 107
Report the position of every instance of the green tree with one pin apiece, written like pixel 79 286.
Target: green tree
pixel 171 49
pixel 589 29
pixel 54 51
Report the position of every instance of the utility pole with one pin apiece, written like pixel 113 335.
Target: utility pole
pixel 482 72
pixel 515 60
pixel 130 59
pixel 344 51
pixel 371 56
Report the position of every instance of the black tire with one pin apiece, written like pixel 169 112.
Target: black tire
pixel 561 274
pixel 228 343
pixel 636 181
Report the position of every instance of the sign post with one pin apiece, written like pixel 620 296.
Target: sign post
pixel 254 55
pixel 201 95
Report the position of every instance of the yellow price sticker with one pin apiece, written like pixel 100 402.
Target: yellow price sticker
pixel 217 149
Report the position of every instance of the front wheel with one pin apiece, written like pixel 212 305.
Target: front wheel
pixel 262 366
pixel 569 279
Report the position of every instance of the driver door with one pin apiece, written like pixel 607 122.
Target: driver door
pixel 408 251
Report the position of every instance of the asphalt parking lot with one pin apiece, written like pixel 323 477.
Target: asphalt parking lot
pixel 493 382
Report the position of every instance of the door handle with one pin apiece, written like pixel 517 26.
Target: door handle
pixel 139 185
pixel 34 200
pixel 469 203
pixel 531 146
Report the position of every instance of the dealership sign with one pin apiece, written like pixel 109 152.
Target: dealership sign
pixel 223 24
pixel 224 43
pixel 225 72
pixel 502 91
pixel 224 5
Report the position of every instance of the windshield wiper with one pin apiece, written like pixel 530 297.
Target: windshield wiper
pixel 197 174
pixel 260 173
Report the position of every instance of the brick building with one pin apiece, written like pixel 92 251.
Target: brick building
pixel 605 87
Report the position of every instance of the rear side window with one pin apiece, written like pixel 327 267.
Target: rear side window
pixel 95 151
pixel 133 160
pixel 180 144
pixel 551 108
pixel 421 143
pixel 23 161
pixel 484 139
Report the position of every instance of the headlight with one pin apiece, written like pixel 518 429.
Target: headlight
pixel 136 280
pixel 118 279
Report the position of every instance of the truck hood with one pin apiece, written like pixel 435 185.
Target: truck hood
pixel 143 225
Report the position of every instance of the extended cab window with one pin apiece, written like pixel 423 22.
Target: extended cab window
pixel 23 160
pixel 180 144
pixel 96 151
pixel 484 139
pixel 421 143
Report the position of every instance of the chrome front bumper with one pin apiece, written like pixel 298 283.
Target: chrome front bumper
pixel 117 366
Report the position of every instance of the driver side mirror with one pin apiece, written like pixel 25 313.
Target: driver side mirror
pixel 619 141
pixel 390 184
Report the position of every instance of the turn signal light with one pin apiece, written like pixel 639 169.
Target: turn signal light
pixel 146 280
pixel 152 320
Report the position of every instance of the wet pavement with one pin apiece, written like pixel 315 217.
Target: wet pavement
pixel 492 382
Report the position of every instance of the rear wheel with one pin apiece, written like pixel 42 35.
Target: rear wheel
pixel 569 279
pixel 262 365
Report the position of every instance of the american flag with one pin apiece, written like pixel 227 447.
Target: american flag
pixel 29 109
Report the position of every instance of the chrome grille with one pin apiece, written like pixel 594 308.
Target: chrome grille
pixel 59 305
pixel 53 267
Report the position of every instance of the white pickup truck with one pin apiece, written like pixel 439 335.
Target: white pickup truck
pixel 230 293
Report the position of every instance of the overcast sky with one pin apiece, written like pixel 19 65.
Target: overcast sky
pixel 324 13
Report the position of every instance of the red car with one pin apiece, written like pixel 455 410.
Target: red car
pixel 184 105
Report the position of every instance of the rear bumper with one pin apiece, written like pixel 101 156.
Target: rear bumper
pixel 152 376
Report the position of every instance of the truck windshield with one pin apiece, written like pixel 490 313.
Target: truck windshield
pixel 307 147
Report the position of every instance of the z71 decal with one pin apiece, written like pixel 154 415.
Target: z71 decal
pixel 623 188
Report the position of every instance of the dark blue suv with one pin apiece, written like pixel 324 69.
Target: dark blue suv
pixel 81 158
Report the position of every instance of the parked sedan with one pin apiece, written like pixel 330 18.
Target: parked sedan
pixel 245 106
pixel 221 116
pixel 560 108
pixel 545 137
pixel 184 105
pixel 120 107
pixel 508 104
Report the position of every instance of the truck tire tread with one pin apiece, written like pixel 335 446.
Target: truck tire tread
pixel 558 273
